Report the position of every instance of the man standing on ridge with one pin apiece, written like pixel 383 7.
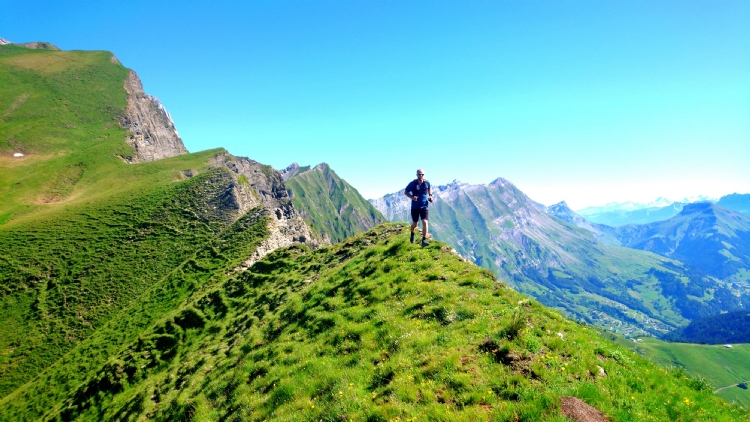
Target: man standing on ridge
pixel 420 192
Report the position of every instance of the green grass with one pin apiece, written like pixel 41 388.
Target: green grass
pixel 722 367
pixel 66 276
pixel 373 328
pixel 84 235
pixel 61 109
pixel 330 205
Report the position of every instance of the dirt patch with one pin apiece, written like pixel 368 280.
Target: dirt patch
pixel 577 410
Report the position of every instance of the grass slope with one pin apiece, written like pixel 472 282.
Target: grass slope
pixel 373 328
pixel 625 290
pixel 83 235
pixel 65 277
pixel 330 204
pixel 722 367
pixel 60 109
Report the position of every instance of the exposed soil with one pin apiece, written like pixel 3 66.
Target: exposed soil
pixel 575 409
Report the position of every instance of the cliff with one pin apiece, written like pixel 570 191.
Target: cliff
pixel 153 134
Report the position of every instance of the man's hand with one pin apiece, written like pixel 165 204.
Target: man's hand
pixel 414 198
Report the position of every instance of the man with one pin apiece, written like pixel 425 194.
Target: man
pixel 420 192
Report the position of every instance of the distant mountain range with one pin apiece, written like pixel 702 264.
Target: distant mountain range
pixel 736 201
pixel 708 237
pixel 579 270
pixel 621 213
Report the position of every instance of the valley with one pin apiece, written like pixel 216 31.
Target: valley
pixel 141 281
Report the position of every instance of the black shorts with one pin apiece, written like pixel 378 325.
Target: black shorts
pixel 417 214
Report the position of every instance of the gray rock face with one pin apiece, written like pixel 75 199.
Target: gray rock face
pixel 260 185
pixel 153 133
pixel 290 171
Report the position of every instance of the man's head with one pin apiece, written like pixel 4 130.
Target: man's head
pixel 420 174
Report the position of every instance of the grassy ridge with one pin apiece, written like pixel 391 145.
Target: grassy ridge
pixel 331 205
pixel 372 328
pixel 82 234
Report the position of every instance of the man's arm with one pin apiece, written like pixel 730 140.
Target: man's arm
pixel 429 193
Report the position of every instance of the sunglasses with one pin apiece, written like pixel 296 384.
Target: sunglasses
pixel 420 174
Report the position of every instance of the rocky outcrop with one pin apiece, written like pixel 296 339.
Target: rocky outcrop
pixel 3 41
pixel 292 170
pixel 153 134
pixel 261 185
pixel 40 46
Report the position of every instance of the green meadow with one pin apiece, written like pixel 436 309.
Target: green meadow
pixel 721 366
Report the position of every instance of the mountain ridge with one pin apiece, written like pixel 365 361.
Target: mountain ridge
pixel 331 206
pixel 561 265
pixel 711 238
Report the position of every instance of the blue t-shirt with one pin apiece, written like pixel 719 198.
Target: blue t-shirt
pixel 420 190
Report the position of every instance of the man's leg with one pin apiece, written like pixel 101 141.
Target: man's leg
pixel 413 225
pixel 424 214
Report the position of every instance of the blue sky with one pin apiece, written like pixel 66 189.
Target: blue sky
pixel 589 102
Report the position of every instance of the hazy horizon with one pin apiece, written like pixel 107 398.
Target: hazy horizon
pixel 590 103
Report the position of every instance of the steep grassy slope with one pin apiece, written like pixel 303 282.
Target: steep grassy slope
pixel 85 236
pixel 372 328
pixel 330 204
pixel 566 267
pixel 59 109
pixel 65 277
pixel 723 368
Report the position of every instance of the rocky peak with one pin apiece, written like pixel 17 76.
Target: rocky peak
pixel 3 41
pixel 560 207
pixel 256 185
pixel 153 134
pixel 289 171
pixel 322 167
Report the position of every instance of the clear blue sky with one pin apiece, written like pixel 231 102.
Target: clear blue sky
pixel 584 101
